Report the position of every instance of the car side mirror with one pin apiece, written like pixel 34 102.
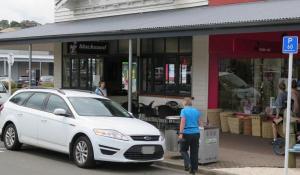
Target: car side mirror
pixel 131 114
pixel 61 112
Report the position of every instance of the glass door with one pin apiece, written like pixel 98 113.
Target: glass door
pixel 86 72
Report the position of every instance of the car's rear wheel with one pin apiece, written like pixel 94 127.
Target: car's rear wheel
pixel 11 139
pixel 83 153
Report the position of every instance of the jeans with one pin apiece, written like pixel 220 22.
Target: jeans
pixel 190 142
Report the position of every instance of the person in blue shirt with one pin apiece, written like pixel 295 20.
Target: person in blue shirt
pixel 101 90
pixel 189 135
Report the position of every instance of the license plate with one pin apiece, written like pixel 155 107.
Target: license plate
pixel 148 150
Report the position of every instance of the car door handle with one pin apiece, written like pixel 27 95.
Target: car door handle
pixel 43 121
pixel 20 115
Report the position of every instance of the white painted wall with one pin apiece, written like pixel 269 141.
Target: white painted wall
pixel 200 71
pixel 83 9
pixel 57 65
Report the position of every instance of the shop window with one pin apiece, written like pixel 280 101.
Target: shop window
pixel 113 47
pixel 185 45
pixel 248 83
pixel 185 75
pixel 172 45
pixel 159 45
pixel 146 46
pixel 123 46
pixel 165 72
pixel 66 73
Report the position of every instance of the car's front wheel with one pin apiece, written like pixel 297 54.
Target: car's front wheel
pixel 11 139
pixel 83 154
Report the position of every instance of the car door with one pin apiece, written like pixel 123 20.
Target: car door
pixel 55 129
pixel 30 115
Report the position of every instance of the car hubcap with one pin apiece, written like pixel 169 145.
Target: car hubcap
pixel 10 137
pixel 81 152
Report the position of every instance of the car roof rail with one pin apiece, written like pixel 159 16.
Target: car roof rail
pixel 38 87
pixel 81 90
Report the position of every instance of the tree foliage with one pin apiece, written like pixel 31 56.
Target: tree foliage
pixel 23 24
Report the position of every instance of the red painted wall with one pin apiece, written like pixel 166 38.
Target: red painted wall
pixel 222 2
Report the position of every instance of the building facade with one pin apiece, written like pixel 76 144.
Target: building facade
pixel 42 64
pixel 170 68
pixel 223 53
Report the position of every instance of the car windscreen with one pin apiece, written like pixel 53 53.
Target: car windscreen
pixel 96 107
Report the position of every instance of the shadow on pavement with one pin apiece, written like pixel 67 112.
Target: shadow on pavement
pixel 64 159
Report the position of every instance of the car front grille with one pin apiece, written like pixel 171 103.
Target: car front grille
pixel 135 153
pixel 145 138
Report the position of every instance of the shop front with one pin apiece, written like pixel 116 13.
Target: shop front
pixel 161 67
pixel 245 71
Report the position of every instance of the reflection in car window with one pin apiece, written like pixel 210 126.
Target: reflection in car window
pixel 36 101
pixel 96 107
pixel 2 88
pixel 56 102
pixel 20 98
pixel 233 81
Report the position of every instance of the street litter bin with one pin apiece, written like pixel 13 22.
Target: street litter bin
pixel 208 145
pixel 171 133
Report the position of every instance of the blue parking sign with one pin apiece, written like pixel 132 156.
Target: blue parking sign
pixel 290 44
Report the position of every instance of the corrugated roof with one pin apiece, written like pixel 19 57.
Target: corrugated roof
pixel 197 18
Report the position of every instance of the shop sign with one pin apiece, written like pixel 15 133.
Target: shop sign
pixel 88 48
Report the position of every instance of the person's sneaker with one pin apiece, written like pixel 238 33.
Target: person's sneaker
pixel 186 168
pixel 192 172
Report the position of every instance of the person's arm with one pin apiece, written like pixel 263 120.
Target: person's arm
pixel 201 121
pixel 181 127
pixel 97 91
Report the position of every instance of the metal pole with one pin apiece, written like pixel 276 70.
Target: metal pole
pixel 29 64
pixel 288 115
pixel 130 77
pixel 40 69
pixel 9 79
pixel 4 68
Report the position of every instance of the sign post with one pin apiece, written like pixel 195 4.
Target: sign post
pixel 10 61
pixel 290 46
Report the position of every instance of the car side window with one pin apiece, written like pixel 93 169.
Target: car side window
pixel 56 102
pixel 36 101
pixel 20 98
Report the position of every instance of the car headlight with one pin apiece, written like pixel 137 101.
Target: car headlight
pixel 111 134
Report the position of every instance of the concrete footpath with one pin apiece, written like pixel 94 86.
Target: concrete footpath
pixel 239 154
pixel 232 171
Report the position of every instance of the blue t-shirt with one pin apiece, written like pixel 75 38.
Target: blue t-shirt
pixel 191 116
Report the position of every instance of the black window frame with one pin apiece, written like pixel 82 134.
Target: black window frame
pixel 151 57
pixel 22 104
pixel 47 100
pixel 43 106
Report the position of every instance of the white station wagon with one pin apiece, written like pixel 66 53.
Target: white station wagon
pixel 87 127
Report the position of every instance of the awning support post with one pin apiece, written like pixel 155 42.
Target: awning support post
pixel 29 66
pixel 40 69
pixel 4 67
pixel 130 76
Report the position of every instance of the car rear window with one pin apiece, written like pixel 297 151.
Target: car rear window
pixel 20 98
